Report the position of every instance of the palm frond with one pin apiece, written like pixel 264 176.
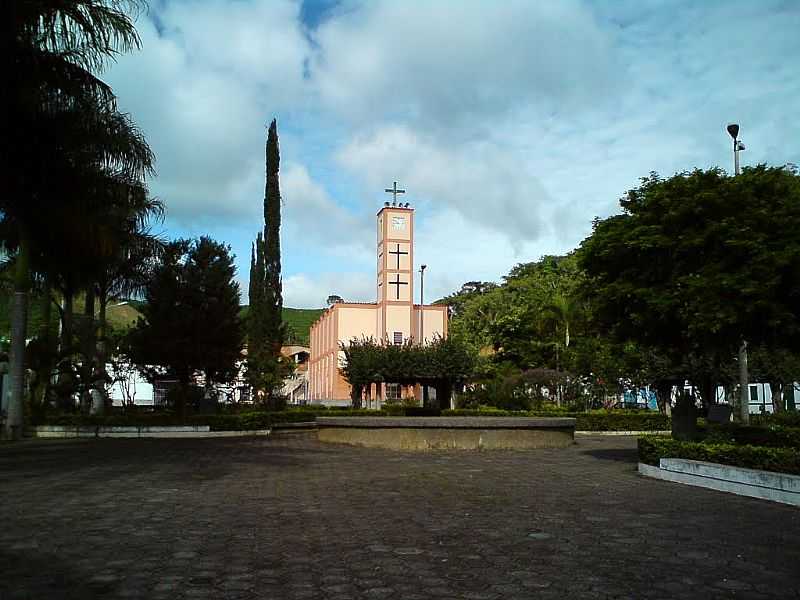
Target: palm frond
pixel 92 31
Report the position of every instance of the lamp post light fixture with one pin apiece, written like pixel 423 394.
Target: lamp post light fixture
pixel 744 376
pixel 738 146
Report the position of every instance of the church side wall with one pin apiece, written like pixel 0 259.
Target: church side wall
pixel 355 322
pixel 435 323
pixel 398 318
pixel 341 322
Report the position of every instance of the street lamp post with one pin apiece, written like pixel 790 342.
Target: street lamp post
pixel 421 301
pixel 744 376
pixel 422 323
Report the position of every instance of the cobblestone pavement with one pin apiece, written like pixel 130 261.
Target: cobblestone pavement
pixel 288 517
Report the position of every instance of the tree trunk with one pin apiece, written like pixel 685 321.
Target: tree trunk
pixel 183 392
pixel 355 396
pixel 101 348
pixel 66 322
pixel 708 390
pixel 664 397
pixel 39 390
pixel 444 392
pixel 744 386
pixel 19 325
pixel 776 389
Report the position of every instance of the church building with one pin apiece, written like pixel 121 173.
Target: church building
pixel 393 318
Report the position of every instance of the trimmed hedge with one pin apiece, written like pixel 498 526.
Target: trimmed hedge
pixel 225 422
pixel 789 418
pixel 592 421
pixel 779 460
pixel 777 437
pixel 584 421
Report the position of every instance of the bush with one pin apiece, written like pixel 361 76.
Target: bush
pixel 781 460
pixel 600 420
pixel 789 418
pixel 622 421
pixel 776 437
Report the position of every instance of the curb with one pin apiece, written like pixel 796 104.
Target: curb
pixel 612 433
pixel 752 483
pixel 65 432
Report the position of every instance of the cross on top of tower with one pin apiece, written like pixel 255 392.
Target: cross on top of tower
pixel 394 191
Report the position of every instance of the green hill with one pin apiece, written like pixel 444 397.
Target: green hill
pixel 123 315
pixel 119 315
pixel 298 320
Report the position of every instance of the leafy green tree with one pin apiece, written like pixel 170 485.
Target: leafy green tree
pixel 442 364
pixel 697 262
pixel 778 367
pixel 266 367
pixel 52 141
pixel 190 319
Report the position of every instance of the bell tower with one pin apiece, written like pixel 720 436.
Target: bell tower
pixel 395 272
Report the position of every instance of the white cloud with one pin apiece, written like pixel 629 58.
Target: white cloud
pixel 310 290
pixel 444 62
pixel 203 89
pixel 311 215
pixel 510 124
pixel 485 183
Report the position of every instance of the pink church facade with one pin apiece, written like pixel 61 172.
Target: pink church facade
pixel 393 317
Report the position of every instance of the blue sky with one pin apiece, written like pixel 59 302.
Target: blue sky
pixel 512 125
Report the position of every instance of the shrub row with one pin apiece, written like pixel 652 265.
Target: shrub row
pixel 773 437
pixel 584 421
pixel 218 422
pixel 790 418
pixel 592 421
pixel 781 460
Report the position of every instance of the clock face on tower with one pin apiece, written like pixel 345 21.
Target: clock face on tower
pixel 398 223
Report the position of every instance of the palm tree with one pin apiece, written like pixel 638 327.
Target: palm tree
pixel 563 310
pixel 51 48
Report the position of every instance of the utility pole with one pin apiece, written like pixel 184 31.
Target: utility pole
pixel 744 376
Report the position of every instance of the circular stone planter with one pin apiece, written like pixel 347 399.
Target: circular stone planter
pixel 460 433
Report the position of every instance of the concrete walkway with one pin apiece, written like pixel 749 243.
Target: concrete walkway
pixel 287 517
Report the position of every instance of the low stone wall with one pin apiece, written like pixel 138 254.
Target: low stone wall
pixel 461 433
pixel 188 431
pixel 766 485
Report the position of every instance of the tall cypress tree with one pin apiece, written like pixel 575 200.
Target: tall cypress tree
pixel 273 285
pixel 266 330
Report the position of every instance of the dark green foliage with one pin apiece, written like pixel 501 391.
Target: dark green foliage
pixel 698 261
pixel 784 419
pixel 190 322
pixel 781 460
pixel 444 360
pixel 776 437
pixel 76 165
pixel 584 421
pixel 232 422
pixel 266 331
